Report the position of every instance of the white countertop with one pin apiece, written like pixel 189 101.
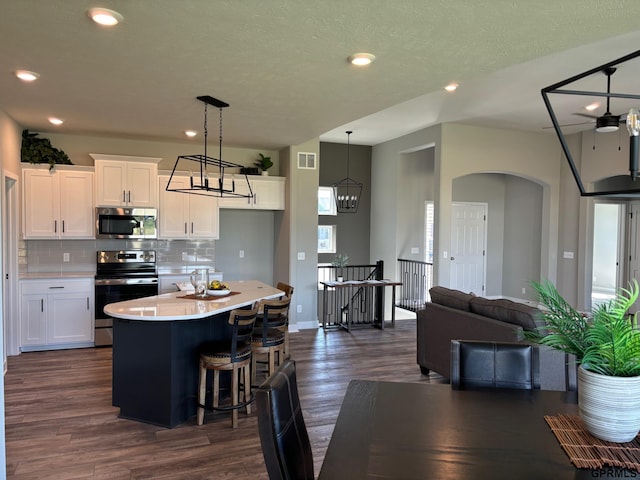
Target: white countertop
pixel 170 306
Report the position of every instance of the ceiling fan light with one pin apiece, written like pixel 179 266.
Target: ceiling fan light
pixel 607 129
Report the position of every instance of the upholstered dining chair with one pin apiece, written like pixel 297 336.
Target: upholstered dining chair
pixel 283 433
pixel 229 355
pixel 478 364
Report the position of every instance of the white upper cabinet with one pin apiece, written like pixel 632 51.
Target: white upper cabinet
pixel 268 193
pixel 123 181
pixel 183 215
pixel 57 203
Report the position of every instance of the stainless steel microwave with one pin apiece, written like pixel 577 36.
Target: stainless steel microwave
pixel 138 223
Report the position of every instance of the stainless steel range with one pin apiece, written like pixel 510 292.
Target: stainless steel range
pixel 121 275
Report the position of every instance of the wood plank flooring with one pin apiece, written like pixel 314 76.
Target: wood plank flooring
pixel 60 424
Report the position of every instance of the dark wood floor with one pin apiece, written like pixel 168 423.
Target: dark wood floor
pixel 60 423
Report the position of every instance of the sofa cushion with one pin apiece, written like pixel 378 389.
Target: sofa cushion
pixel 451 298
pixel 526 316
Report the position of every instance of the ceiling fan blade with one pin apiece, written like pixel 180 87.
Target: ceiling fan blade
pixel 586 115
pixel 570 125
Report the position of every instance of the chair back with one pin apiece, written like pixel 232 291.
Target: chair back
pixel 242 322
pixel 283 433
pixel 476 364
pixel 274 315
pixel 287 289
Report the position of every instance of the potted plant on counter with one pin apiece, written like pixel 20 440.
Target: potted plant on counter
pixel 606 344
pixel 264 164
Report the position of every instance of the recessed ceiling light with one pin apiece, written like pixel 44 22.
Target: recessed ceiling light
pixel 452 87
pixel 361 59
pixel 190 133
pixel 104 16
pixel 26 75
pixel 592 106
pixel 56 121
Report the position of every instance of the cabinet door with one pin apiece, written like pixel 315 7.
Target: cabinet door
pixel 76 205
pixel 33 320
pixel 111 188
pixel 173 214
pixel 142 184
pixel 41 204
pixel 69 319
pixel 204 219
pixel 239 185
pixel 269 194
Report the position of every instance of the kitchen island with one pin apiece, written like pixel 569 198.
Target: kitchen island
pixel 156 343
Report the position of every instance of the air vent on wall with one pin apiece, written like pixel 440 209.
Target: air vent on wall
pixel 307 160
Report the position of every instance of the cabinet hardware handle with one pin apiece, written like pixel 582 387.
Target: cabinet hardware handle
pixel 42 304
pixel 129 200
pixel 191 228
pixel 124 196
pixel 62 226
pixel 87 303
pixel 60 287
pixel 55 226
pixel 185 228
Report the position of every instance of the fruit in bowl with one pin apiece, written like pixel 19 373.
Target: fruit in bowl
pixel 218 285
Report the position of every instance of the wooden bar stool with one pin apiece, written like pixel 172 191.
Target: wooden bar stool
pixel 229 355
pixel 288 292
pixel 270 334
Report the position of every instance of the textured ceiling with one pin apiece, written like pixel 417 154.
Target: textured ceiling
pixel 281 65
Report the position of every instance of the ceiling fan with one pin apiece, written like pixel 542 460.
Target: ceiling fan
pixel 607 122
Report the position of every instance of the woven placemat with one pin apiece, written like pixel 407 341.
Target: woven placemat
pixel 192 296
pixel 586 451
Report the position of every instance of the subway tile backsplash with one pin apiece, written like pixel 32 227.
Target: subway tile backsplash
pixel 46 256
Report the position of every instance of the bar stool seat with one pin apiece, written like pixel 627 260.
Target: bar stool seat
pixel 235 356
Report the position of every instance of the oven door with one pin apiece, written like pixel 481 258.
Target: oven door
pixel 117 290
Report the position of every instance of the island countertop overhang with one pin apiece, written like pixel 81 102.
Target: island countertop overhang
pixel 171 307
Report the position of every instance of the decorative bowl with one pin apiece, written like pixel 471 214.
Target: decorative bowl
pixel 218 293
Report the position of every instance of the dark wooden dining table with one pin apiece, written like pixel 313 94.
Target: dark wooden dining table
pixel 392 430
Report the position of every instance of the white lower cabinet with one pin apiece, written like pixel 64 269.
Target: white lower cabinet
pixel 56 313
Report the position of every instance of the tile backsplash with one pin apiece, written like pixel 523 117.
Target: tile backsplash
pixel 46 256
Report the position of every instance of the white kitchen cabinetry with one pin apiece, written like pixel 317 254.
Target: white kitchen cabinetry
pixel 57 203
pixel 56 313
pixel 268 193
pixel 123 181
pixel 183 215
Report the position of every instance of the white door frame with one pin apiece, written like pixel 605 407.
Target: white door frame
pixel 477 289
pixel 10 235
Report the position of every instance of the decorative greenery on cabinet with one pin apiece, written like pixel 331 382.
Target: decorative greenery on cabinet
pixel 40 150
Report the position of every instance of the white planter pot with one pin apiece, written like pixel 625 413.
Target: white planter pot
pixel 609 406
pixel 265 173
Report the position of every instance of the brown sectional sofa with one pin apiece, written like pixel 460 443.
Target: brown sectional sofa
pixel 455 315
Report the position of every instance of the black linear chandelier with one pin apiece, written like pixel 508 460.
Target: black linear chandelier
pixel 347 191
pixel 617 185
pixel 207 174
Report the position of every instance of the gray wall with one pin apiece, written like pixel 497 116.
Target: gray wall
pixel 522 237
pixel 416 172
pixel 253 232
pixel 352 229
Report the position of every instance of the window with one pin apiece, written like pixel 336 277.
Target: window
pixel 326 201
pixel 326 239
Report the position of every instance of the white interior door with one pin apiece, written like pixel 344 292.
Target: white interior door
pixel 468 242
pixel 10 321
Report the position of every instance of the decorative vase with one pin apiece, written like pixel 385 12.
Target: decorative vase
pixel 609 406
pixel 265 173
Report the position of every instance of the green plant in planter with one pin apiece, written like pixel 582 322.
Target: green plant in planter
pixel 340 260
pixel 264 163
pixel 39 150
pixel 607 342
